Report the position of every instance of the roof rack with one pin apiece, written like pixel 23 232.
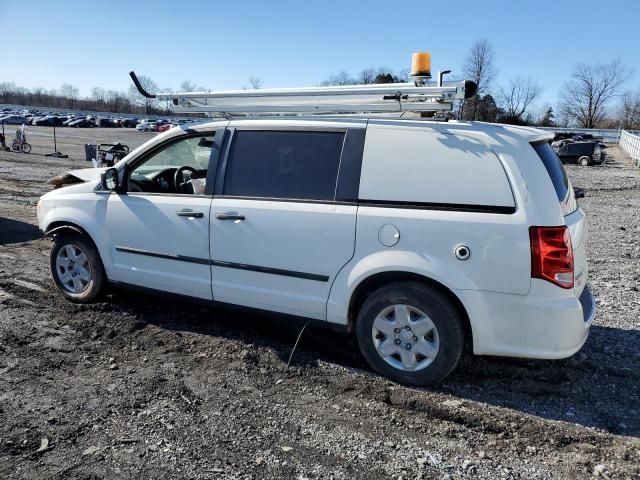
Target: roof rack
pixel 417 96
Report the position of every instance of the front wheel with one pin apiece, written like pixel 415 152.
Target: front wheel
pixel 76 267
pixel 584 161
pixel 410 333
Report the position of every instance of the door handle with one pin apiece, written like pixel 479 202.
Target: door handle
pixel 229 216
pixel 189 213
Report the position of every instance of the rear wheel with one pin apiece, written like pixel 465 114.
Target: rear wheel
pixel 584 161
pixel 410 332
pixel 26 147
pixel 76 267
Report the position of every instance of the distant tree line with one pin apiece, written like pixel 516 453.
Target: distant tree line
pixel 67 97
pixel 100 100
pixel 593 97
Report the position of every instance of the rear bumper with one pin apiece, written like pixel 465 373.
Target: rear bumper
pixel 588 303
pixel 545 324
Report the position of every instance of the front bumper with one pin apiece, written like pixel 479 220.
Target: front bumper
pixel 547 323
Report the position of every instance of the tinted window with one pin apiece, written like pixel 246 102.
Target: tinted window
pixel 554 168
pixel 295 165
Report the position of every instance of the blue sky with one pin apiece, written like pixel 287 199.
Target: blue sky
pixel 220 44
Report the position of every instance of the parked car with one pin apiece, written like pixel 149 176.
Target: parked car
pixel 147 127
pixel 48 121
pixel 106 123
pixel 165 126
pixel 13 120
pixel 71 119
pixel 584 136
pixel 129 122
pixel 82 123
pixel 582 153
pixel 416 236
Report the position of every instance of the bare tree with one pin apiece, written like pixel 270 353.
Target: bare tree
pixel 38 94
pixel 255 82
pixel 168 104
pixel 341 78
pixel 480 67
pixel 117 101
pixel 6 90
pixel 98 94
pixel 188 86
pixel 138 99
pixel 629 110
pixel 70 92
pixel 585 97
pixel 516 98
pixel 367 76
pixel 403 75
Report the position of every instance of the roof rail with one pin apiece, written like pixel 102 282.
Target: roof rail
pixel 417 96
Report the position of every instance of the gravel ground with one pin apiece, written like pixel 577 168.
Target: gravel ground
pixel 148 387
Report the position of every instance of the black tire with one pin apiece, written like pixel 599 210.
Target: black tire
pixel 584 161
pixel 26 147
pixel 437 308
pixel 96 277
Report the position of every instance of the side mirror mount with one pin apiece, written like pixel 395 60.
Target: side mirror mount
pixel 109 179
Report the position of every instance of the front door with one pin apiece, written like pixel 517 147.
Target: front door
pixel 279 237
pixel 159 228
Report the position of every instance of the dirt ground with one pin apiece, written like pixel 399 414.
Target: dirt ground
pixel 148 387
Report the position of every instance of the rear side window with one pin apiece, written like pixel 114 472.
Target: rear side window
pixel 554 168
pixel 420 166
pixel 284 165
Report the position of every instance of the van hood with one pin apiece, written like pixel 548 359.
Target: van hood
pixel 76 176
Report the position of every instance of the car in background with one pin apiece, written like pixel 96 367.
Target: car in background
pixel 82 123
pixel 49 121
pixel 147 127
pixel 582 153
pixel 165 126
pixel 129 122
pixel 583 136
pixel 13 120
pixel 106 123
pixel 71 119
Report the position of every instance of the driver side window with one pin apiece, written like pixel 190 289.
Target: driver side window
pixel 179 168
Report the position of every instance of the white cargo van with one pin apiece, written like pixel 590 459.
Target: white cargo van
pixel 418 236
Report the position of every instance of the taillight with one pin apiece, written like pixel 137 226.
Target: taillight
pixel 552 255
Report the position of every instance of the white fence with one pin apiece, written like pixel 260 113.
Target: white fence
pixel 630 143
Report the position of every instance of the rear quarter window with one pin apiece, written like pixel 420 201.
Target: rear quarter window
pixel 418 166
pixel 554 168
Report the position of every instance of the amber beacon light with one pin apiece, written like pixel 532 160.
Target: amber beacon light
pixel 421 65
